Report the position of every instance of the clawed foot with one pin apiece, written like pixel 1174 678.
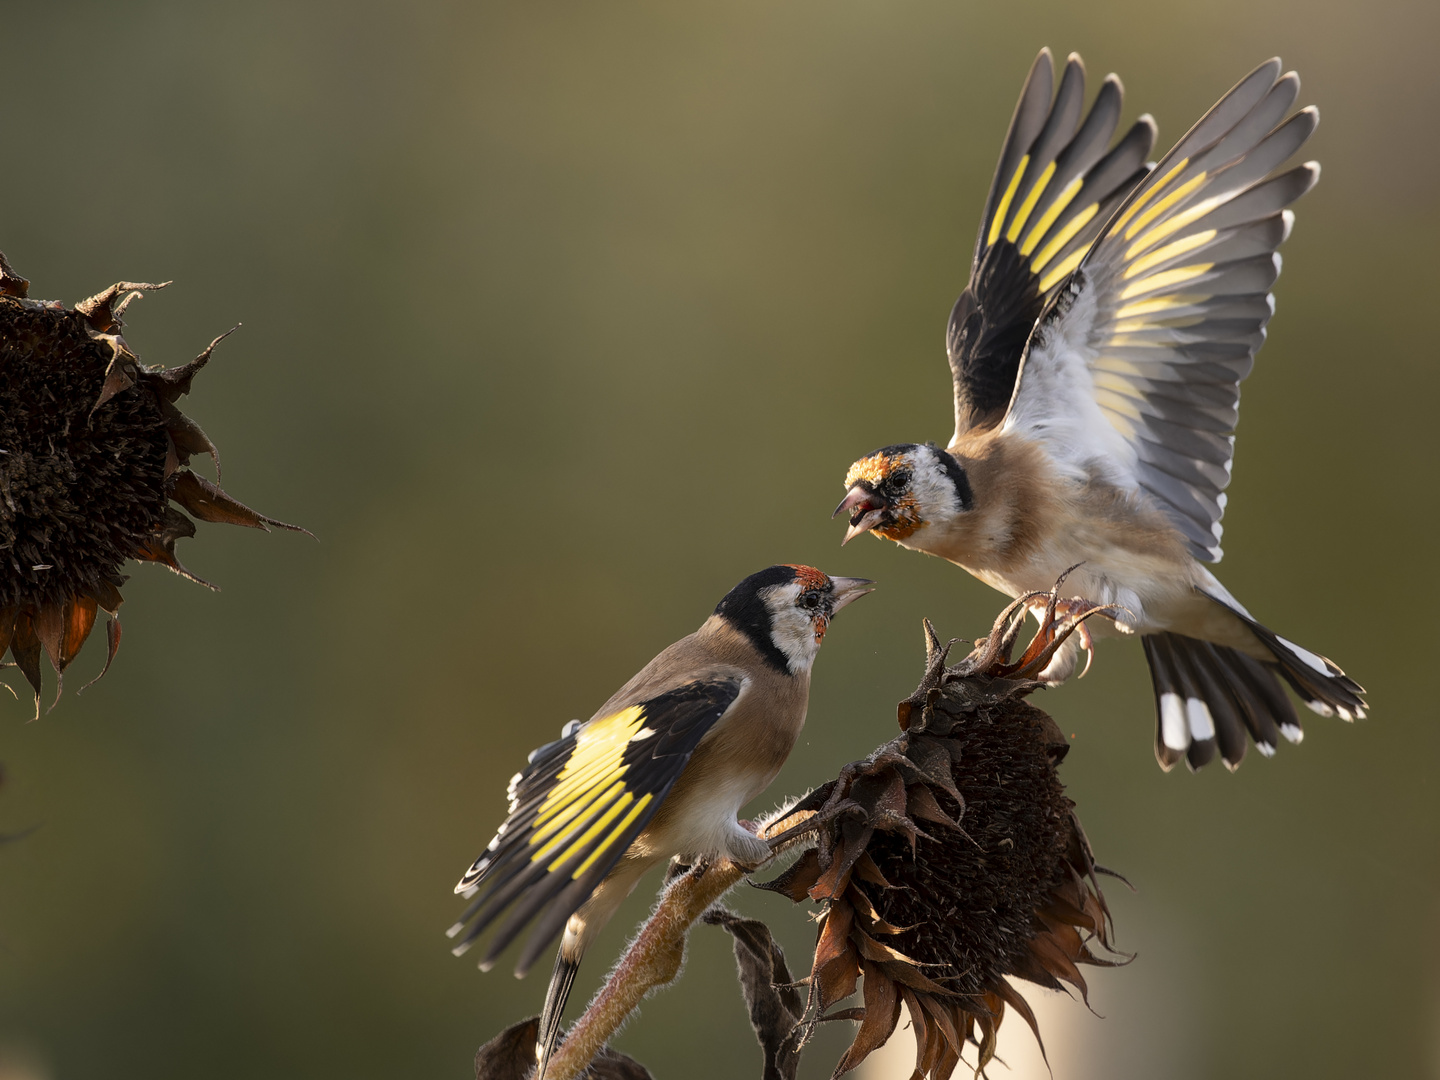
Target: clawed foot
pixel 1059 620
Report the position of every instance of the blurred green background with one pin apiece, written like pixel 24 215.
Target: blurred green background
pixel 559 319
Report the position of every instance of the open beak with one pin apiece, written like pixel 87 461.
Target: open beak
pixel 866 510
pixel 848 589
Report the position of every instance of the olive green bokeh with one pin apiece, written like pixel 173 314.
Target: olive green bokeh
pixel 559 320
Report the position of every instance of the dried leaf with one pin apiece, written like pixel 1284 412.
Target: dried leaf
pixel 511 1056
pixel 775 1007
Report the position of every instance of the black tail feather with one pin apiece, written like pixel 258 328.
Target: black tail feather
pixel 1318 681
pixel 1208 696
pixel 1225 707
pixel 548 1034
pixel 1268 712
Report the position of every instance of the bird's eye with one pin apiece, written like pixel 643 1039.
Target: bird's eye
pixel 810 601
pixel 900 478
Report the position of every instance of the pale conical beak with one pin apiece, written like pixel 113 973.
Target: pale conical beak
pixel 848 589
pixel 866 510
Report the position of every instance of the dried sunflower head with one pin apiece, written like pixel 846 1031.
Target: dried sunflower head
pixel 92 453
pixel 951 858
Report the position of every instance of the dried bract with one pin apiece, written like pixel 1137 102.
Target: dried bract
pixel 93 452
pixel 951 858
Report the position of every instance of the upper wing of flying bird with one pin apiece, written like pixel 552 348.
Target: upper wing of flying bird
pixel 1134 369
pixel 578 806
pixel 1055 186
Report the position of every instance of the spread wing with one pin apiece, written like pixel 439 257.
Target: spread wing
pixel 1134 369
pixel 1055 186
pixel 576 808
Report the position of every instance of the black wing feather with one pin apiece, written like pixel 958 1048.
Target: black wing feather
pixel 1035 219
pixel 576 809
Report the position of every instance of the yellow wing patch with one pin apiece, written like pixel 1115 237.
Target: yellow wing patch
pixel 1146 196
pixel 1023 214
pixel 589 793
pixel 1004 207
pixel 596 760
pixel 1048 218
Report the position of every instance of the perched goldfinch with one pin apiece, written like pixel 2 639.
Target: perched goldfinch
pixel 1097 354
pixel 662 769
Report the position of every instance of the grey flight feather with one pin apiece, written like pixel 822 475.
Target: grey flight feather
pixel 1137 361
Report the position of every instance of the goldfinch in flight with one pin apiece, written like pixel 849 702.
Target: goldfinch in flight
pixel 1097 353
pixel 661 769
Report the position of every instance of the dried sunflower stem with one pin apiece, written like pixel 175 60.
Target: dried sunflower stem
pixel 652 960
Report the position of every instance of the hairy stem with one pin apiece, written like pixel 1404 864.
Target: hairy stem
pixel 652 960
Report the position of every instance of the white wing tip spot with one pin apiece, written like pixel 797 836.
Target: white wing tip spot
pixel 454 930
pixel 1320 707
pixel 1294 732
pixel 1266 749
pixel 570 729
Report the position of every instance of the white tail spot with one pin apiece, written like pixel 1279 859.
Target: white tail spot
pixel 1174 732
pixel 1202 724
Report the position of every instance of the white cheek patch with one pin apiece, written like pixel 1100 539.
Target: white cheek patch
pixel 932 488
pixel 791 630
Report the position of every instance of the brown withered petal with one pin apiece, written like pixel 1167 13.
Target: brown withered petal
pixel 92 452
pixel 950 859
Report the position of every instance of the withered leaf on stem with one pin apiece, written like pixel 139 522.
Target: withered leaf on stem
pixel 775 1006
pixel 92 452
pixel 511 1056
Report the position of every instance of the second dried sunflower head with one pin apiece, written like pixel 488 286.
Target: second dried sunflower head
pixel 93 451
